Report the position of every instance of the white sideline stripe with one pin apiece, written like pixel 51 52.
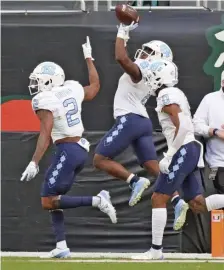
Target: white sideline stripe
pixel 92 255
pixel 121 261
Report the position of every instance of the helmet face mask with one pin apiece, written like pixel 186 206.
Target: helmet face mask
pixel 33 87
pixel 147 53
pixel 153 50
pixel 37 85
pixel 46 76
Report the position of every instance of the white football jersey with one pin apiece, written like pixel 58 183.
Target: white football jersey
pixel 65 102
pixel 131 97
pixel 167 96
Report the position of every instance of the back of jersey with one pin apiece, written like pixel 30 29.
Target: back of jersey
pixel 65 102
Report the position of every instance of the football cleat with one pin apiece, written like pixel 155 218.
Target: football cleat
pixel 151 254
pixel 138 189
pixel 180 214
pixel 106 206
pixel 58 253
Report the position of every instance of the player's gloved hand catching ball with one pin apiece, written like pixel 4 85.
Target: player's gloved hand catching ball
pixel 128 18
pixel 87 49
pixel 30 172
pixel 123 30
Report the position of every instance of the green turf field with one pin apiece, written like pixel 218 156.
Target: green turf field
pixel 42 264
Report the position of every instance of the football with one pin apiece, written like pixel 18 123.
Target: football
pixel 126 14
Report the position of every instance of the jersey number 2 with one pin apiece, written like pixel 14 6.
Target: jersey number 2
pixel 72 112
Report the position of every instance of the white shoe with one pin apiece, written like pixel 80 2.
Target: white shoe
pixel 151 254
pixel 58 253
pixel 106 206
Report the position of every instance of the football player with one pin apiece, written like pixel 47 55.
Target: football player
pixel 180 166
pixel 58 105
pixel 132 123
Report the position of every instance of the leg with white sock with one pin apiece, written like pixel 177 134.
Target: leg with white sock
pixel 165 186
pixel 200 204
pixel 102 201
pixel 214 202
pixel 159 219
pixel 193 191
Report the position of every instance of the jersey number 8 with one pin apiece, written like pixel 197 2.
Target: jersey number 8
pixel 72 112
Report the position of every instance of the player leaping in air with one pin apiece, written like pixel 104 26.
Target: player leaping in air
pixel 179 169
pixel 133 125
pixel 58 105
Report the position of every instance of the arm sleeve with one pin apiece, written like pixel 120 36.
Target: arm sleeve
pixel 184 127
pixel 200 120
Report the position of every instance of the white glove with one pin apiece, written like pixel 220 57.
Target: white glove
pixel 123 31
pixel 87 49
pixel 30 172
pixel 165 163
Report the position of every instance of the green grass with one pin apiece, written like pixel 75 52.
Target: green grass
pixel 40 264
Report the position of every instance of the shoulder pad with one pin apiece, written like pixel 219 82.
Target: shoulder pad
pixel 76 86
pixel 168 96
pixel 44 101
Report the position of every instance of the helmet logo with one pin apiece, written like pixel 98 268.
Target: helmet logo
pixel 144 64
pixel 48 69
pixel 165 50
pixel 155 66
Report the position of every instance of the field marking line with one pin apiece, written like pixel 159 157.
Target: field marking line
pixel 109 255
pixel 117 261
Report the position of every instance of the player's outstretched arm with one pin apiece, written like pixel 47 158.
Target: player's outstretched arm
pixel 121 54
pixel 46 125
pixel 94 82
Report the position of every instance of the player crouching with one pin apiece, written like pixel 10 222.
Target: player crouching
pixel 58 105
